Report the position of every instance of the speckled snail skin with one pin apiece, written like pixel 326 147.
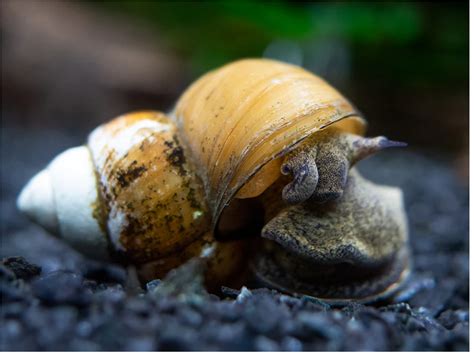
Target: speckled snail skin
pixel 254 148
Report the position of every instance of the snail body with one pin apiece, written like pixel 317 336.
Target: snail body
pixel 156 190
pixel 333 250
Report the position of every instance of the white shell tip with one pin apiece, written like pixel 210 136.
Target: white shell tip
pixel 62 199
pixel 36 201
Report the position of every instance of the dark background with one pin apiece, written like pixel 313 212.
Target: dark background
pixel 68 66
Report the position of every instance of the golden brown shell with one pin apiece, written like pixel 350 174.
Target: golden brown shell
pixel 153 200
pixel 153 204
pixel 236 119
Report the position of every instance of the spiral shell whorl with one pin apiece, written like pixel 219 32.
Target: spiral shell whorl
pixel 64 199
pixel 154 201
pixel 238 118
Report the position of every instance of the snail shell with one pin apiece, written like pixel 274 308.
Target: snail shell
pixel 129 184
pixel 148 186
pixel 238 118
pixel 130 194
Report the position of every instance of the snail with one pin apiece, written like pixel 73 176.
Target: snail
pixel 256 148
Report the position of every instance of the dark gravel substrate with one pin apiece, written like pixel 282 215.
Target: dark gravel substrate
pixel 69 303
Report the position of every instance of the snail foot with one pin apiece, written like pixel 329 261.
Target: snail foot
pixel 354 248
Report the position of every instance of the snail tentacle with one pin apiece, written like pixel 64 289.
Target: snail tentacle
pixel 305 178
pixel 363 147
pixel 333 167
pixel 321 164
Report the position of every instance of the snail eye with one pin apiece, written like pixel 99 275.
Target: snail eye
pixel 285 169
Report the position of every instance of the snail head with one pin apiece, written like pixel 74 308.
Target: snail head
pixel 320 165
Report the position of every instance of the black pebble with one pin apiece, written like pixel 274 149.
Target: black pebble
pixel 61 287
pixel 88 308
pixel 21 268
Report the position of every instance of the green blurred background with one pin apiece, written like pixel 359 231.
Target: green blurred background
pixel 407 43
pixel 70 65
